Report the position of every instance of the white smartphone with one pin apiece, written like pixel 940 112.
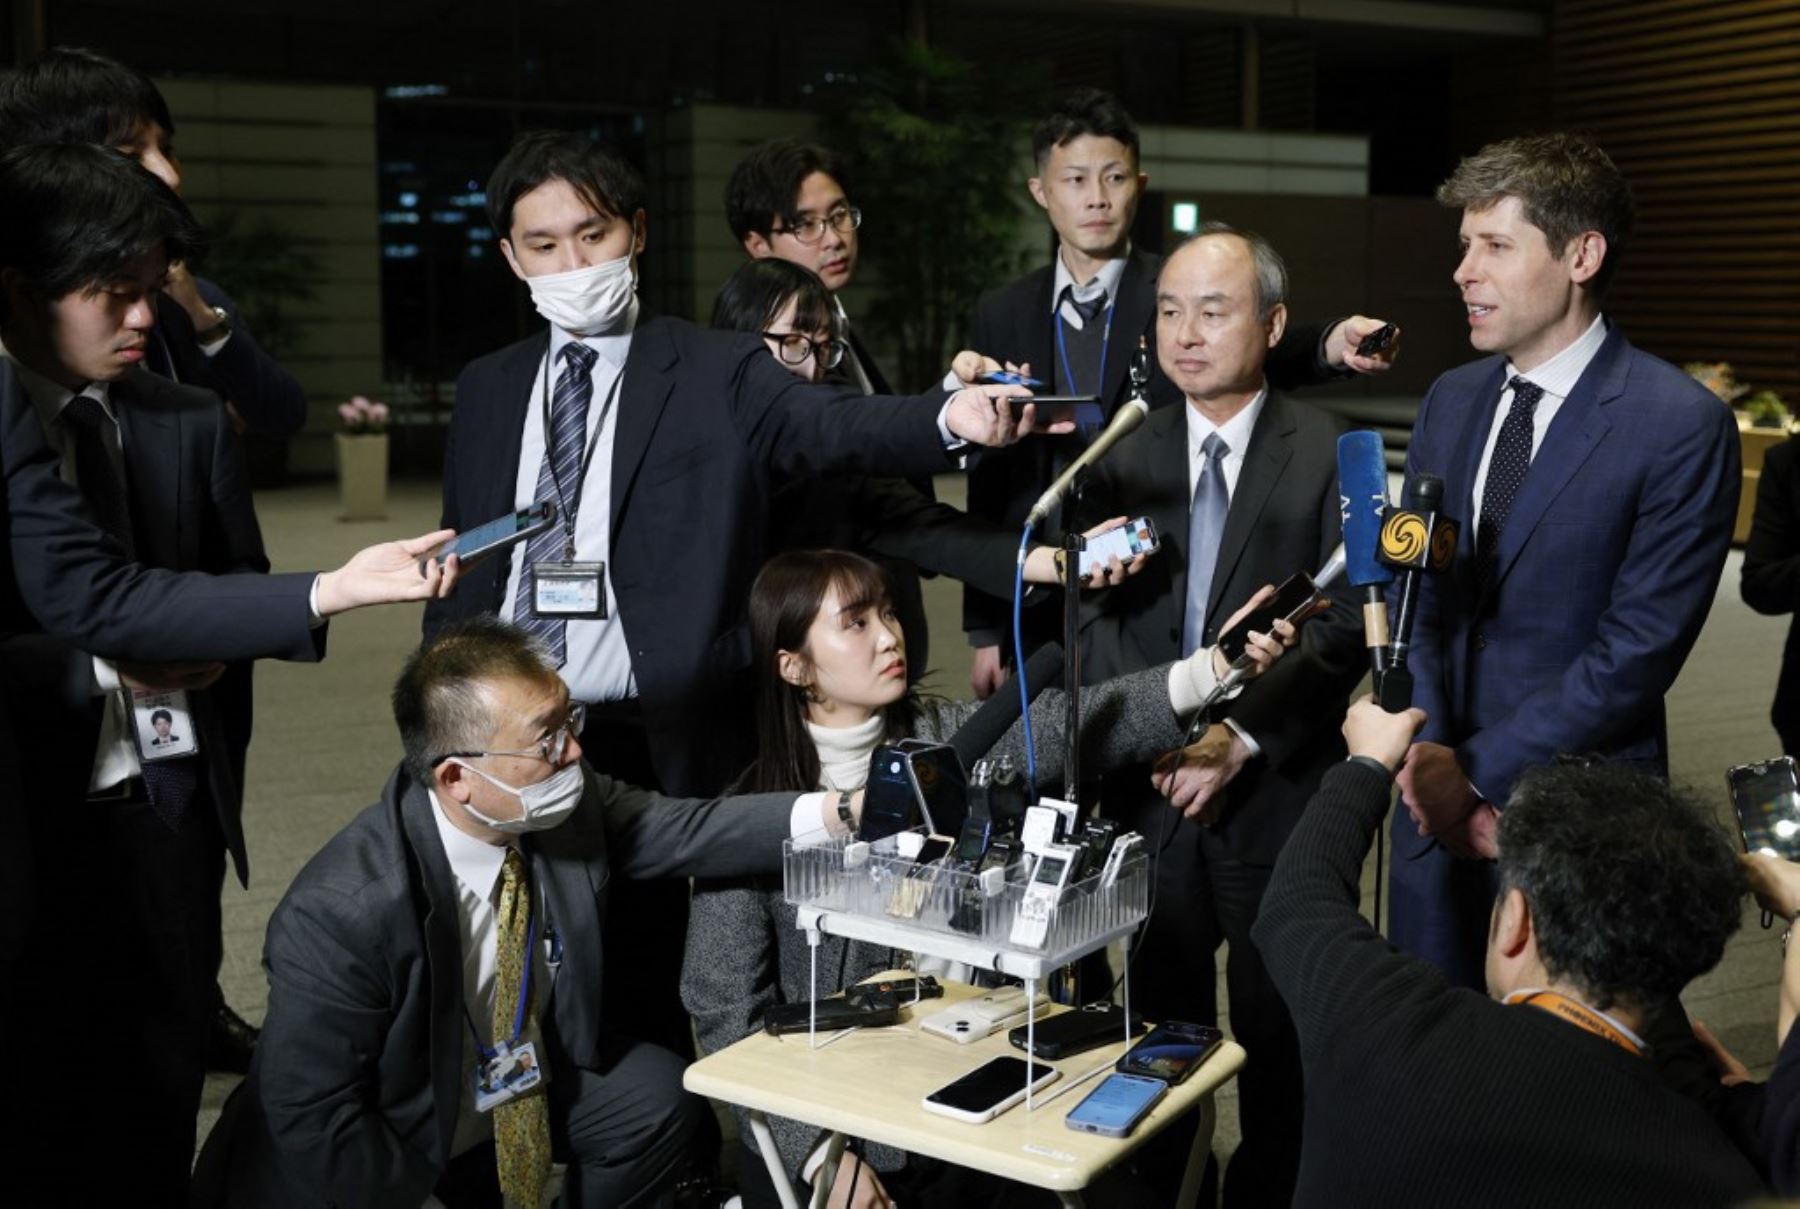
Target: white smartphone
pixel 988 1090
pixel 973 1019
pixel 1127 541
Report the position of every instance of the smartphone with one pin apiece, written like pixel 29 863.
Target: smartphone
pixel 1296 601
pixel 988 1090
pixel 936 775
pixel 1377 341
pixel 1077 1032
pixel 1172 1051
pixel 1114 1109
pixel 1766 796
pixel 889 803
pixel 1127 541
pixel 867 1011
pixel 1085 410
pixel 1006 377
pixel 476 544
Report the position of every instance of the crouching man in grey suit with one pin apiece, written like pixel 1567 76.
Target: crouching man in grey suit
pixel 452 929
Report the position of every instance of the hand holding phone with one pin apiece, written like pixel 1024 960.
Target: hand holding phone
pixel 1766 797
pixel 1083 410
pixel 1125 542
pixel 1296 601
pixel 473 545
pixel 1007 377
pixel 1378 341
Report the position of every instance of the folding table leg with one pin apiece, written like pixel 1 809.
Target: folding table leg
pixel 1196 1164
pixel 771 1155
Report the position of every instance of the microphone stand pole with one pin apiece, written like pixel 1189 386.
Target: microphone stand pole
pixel 1073 544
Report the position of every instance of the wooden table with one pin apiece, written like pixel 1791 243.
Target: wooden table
pixel 869 1084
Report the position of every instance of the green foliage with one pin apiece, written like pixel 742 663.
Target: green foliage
pixel 265 270
pixel 935 145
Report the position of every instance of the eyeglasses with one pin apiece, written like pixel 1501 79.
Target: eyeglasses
pixel 795 347
pixel 550 748
pixel 811 230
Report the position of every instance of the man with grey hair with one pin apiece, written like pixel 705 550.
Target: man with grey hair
pixel 1242 487
pixel 434 1031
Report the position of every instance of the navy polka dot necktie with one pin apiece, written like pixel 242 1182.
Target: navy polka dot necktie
pixel 1506 473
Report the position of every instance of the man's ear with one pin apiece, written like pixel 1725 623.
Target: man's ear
pixel 506 250
pixel 1277 322
pixel 451 780
pixel 1588 254
pixel 758 246
pixel 639 227
pixel 1035 187
pixel 1513 930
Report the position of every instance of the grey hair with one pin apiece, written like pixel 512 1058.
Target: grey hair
pixel 1271 270
pixel 442 701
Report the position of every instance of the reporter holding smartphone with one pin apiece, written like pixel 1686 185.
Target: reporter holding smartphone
pixel 830 661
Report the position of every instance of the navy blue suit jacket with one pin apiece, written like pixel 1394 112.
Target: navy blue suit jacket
pixel 1607 566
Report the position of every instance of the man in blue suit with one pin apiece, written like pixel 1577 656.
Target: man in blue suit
pixel 1596 487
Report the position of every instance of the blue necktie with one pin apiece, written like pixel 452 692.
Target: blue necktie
pixel 1206 525
pixel 563 446
pixel 1506 473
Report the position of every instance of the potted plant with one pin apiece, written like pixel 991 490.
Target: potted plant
pixel 362 455
pixel 1765 409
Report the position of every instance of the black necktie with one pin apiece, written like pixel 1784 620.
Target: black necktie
pixel 96 473
pixel 1089 310
pixel 1506 472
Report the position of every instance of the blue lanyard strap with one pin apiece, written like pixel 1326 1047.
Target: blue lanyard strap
pixel 518 1012
pixel 1062 351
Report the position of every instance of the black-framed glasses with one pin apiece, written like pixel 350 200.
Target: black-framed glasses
pixel 795 347
pixel 549 749
pixel 809 230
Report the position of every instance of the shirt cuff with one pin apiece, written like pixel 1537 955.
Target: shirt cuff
pixel 212 350
pixel 312 604
pixel 951 382
pixel 1252 744
pixel 807 819
pixel 106 677
pixel 1192 681
pixel 952 442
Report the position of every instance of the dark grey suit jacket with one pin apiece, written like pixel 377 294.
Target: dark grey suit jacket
pixel 1284 518
pixel 352 1097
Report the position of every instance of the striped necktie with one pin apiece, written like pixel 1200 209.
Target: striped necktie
pixel 563 447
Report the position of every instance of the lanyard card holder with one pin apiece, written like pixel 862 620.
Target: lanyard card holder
pixel 163 725
pixel 568 589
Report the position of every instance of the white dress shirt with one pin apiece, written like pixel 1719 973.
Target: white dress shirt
pixel 1105 281
pixel 598 666
pixel 1557 377
pixel 1235 432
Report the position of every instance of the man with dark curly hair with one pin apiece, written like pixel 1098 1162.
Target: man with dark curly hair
pixel 1616 891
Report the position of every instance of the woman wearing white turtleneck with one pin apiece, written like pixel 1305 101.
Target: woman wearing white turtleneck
pixel 832 685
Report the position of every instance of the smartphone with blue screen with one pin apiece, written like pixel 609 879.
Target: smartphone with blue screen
pixel 1114 1109
pixel 1006 377
pixel 473 545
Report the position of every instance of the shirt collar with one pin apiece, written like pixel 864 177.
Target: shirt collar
pixel 612 346
pixel 1107 279
pixel 476 863
pixel 1559 375
pixel 1235 432
pixel 50 398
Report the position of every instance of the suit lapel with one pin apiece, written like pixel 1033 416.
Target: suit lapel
pixel 1037 333
pixel 443 952
pixel 518 375
pixel 155 478
pixel 1580 424
pixel 569 864
pixel 1165 435
pixel 1474 440
pixel 649 379
pixel 1132 311
pixel 1264 462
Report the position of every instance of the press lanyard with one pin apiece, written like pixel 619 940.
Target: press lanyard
pixel 1581 1016
pixel 518 1012
pixel 587 455
pixel 1063 351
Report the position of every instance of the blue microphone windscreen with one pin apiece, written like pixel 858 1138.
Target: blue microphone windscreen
pixel 1362 491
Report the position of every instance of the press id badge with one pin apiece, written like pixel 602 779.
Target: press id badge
pixel 568 589
pixel 164 725
pixel 506 1074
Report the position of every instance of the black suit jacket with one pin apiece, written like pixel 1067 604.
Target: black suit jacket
pixel 270 399
pixel 1771 578
pixel 1284 518
pixel 353 1093
pixel 1013 323
pixel 705 421
pixel 191 511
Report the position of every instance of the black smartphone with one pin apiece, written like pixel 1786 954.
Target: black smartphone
pixel 1377 341
pixel 901 989
pixel 1076 1032
pixel 1766 796
pixel 1085 410
pixel 1006 377
pixel 971 845
pixel 938 782
pixel 889 804
pixel 1295 601
pixel 870 1011
pixel 476 544
pixel 1095 839
pixel 1173 1051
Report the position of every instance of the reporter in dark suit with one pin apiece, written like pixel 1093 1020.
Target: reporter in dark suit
pixel 1771 577
pixel 1242 486
pixel 1597 486
pixel 1077 321
pixel 387 961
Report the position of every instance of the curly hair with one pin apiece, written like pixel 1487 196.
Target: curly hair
pixel 1634 887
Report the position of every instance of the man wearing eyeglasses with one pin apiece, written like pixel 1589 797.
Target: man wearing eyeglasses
pixel 446 947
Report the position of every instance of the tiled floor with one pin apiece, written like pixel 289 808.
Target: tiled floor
pixel 325 742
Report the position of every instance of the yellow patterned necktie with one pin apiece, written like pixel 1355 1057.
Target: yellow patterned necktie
pixel 521 1126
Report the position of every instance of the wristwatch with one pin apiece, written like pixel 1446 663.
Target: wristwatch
pixel 843 810
pixel 215 332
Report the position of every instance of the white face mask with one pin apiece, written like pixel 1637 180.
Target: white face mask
pixel 586 302
pixel 546 803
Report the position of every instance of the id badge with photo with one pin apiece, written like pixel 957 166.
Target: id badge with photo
pixel 507 1075
pixel 568 589
pixel 163 725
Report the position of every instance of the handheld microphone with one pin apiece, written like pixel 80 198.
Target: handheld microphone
pixel 1128 418
pixel 1362 493
pixel 1334 566
pixel 1414 540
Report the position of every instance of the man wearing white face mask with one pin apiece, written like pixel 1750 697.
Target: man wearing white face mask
pixel 434 1029
pixel 657 442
